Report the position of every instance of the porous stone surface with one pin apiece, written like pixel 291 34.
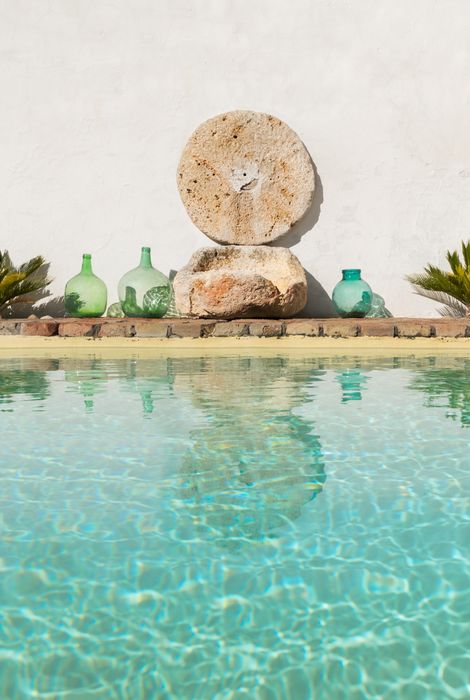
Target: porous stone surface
pixel 245 178
pixel 241 282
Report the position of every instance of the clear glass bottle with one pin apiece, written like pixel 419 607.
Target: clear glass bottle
pixel 85 294
pixel 352 296
pixel 144 291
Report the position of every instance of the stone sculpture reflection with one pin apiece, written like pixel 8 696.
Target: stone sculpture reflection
pixel 232 479
pixel 229 476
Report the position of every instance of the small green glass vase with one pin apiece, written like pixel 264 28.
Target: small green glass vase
pixel 85 294
pixel 144 291
pixel 352 297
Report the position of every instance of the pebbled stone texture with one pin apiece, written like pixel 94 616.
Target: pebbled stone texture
pixel 245 178
pixel 241 282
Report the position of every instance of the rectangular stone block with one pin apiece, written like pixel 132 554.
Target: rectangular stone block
pixel 187 328
pixel 39 328
pixel 78 328
pixel 10 327
pixel 340 328
pixel 377 327
pixel 148 327
pixel 302 326
pixel 114 328
pixel 413 328
pixel 452 328
pixel 266 329
pixel 230 329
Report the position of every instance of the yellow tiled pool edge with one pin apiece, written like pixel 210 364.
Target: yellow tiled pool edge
pixel 25 345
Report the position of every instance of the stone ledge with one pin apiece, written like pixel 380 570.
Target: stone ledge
pixel 259 328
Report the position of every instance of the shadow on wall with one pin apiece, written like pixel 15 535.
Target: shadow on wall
pixel 319 304
pixel 52 307
pixel 39 302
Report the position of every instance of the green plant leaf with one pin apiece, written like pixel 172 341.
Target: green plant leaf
pixel 17 284
pixel 450 288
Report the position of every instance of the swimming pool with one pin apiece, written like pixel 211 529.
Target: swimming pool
pixel 267 527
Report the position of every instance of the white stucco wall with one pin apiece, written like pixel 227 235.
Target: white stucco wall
pixel 98 98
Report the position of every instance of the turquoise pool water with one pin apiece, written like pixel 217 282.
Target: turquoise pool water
pixel 235 527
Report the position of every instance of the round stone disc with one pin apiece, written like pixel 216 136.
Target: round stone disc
pixel 245 178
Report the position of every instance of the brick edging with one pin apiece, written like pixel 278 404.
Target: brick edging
pixel 216 328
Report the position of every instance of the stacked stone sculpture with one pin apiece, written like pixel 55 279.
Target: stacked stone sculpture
pixel 245 178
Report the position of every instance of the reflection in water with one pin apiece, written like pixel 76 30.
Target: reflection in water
pixel 24 377
pixel 138 556
pixel 352 383
pixel 253 464
pixel 150 379
pixel 85 377
pixel 447 388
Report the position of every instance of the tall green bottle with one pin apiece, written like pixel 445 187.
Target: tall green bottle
pixel 85 294
pixel 144 291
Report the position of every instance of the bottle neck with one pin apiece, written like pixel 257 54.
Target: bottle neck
pixel 351 274
pixel 86 264
pixel 145 259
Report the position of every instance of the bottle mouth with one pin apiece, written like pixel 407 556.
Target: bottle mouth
pixel 352 273
pixel 145 249
pixel 87 256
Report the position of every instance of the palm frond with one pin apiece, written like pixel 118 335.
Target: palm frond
pixel 454 306
pixel 17 284
pixel 466 254
pixel 436 280
pixel 450 288
pixel 454 261
pixel 31 266
pixel 452 312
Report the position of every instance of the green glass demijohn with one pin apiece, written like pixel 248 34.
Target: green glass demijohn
pixel 144 291
pixel 352 297
pixel 85 294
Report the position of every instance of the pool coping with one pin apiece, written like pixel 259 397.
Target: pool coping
pixel 193 328
pixel 116 347
pixel 149 337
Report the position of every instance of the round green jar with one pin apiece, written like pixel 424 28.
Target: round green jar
pixel 352 297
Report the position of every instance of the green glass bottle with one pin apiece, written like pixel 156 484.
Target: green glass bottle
pixel 352 297
pixel 85 294
pixel 144 291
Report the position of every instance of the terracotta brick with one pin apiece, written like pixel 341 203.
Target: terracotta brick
pixel 114 328
pixel 190 328
pixel 302 326
pixel 79 328
pixel 266 329
pixel 377 327
pixel 452 328
pixel 200 328
pixel 341 327
pixel 224 329
pixel 43 328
